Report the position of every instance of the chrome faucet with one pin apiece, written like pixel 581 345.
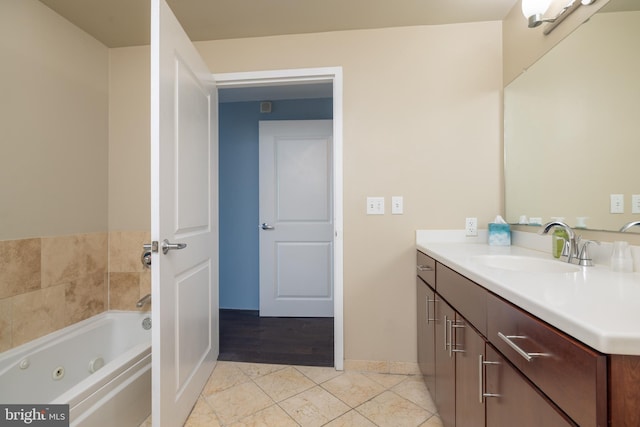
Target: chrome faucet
pixel 570 249
pixel 629 225
pixel 144 300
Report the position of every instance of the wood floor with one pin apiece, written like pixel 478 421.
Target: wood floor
pixel 247 337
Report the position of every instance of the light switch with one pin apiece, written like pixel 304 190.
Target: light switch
pixel 635 204
pixel 617 204
pixel 397 205
pixel 375 205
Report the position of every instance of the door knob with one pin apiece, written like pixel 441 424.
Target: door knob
pixel 166 246
pixel 266 226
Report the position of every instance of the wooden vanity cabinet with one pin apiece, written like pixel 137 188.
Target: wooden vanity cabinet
pixel 518 402
pixel 426 332
pixel 463 359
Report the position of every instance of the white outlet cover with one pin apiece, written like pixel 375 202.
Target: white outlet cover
pixel 397 205
pixel 617 204
pixel 375 205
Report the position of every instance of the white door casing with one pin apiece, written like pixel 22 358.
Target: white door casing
pixel 184 197
pixel 296 210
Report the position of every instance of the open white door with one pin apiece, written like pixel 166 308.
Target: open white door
pixel 184 197
pixel 296 215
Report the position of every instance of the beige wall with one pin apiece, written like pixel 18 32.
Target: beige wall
pixel 422 119
pixel 53 125
pixel 129 136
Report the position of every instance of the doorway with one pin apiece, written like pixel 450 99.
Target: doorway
pixel 282 89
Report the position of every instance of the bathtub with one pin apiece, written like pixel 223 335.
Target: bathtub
pixel 101 367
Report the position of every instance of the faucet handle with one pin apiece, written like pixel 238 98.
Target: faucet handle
pixel 584 259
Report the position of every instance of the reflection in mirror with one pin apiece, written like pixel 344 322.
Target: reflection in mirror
pixel 572 126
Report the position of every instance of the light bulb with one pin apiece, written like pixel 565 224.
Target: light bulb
pixel 534 7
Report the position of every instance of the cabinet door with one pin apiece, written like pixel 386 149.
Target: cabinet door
pixel 426 333
pixel 469 347
pixel 519 402
pixel 445 394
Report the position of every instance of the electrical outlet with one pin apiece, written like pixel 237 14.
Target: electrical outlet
pixel 375 205
pixel 397 207
pixel 471 227
pixel 617 203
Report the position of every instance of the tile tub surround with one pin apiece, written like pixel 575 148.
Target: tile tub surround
pixel 594 305
pixel 245 394
pixel 48 283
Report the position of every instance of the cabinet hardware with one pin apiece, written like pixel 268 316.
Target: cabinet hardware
pixel 481 364
pixel 434 301
pixel 456 324
pixel 527 356
pixel 425 268
pixel 446 331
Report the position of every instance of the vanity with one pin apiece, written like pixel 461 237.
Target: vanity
pixel 509 336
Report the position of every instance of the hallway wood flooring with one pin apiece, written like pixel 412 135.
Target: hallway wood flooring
pixel 247 337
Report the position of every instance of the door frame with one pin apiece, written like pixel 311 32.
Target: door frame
pixel 314 75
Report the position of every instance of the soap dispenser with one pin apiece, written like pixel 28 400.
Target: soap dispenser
pixel 558 238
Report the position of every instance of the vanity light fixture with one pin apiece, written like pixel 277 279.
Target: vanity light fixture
pixel 534 11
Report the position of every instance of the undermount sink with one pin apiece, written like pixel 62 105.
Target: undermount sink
pixel 525 264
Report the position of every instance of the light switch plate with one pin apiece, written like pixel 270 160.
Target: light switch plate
pixel 397 205
pixel 375 205
pixel 635 203
pixel 617 204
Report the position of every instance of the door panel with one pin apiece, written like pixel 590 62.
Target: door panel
pixel 183 210
pixel 445 380
pixel 296 244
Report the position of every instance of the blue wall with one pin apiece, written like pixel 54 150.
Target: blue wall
pixel 238 151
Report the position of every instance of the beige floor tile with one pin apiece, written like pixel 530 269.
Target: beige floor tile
pixel 351 419
pixel 238 402
pixel 414 389
pixel 271 416
pixel 319 374
pixel 284 383
pixel 202 416
pixel 314 407
pixel 390 410
pixel 224 376
pixel 255 370
pixel 147 422
pixel 353 388
pixel 385 380
pixel 434 421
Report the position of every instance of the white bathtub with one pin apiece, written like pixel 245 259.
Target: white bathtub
pixel 57 368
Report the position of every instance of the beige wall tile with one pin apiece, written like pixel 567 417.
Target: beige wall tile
pixel 124 291
pixel 125 248
pixel 379 366
pixel 404 368
pixel 19 266
pixel 5 324
pixel 68 258
pixel 37 313
pixel 85 297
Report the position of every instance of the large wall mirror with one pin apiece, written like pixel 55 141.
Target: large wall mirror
pixel 572 125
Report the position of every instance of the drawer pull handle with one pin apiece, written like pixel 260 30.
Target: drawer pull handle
pixel 527 356
pixel 425 268
pixel 481 365
pixel 429 318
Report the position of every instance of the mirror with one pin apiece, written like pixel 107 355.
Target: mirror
pixel 572 126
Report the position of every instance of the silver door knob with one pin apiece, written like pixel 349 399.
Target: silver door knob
pixel 166 246
pixel 266 226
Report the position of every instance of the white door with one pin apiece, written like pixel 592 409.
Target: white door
pixel 184 211
pixel 296 218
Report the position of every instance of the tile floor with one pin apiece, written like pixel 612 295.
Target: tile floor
pixel 250 394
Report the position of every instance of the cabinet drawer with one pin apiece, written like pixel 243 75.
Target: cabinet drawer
pixel 468 298
pixel 426 269
pixel 571 374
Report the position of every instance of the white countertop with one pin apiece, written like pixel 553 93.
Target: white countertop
pixel 595 305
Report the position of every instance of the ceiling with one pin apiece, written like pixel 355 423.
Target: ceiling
pixel 119 23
